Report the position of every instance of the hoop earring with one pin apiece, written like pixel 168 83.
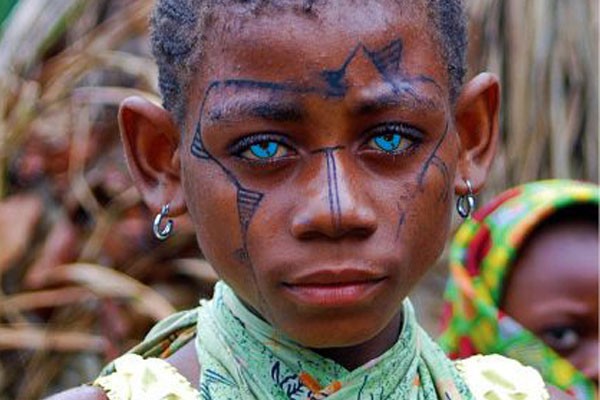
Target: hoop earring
pixel 465 204
pixel 162 233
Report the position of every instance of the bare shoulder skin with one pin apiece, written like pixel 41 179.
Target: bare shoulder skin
pixel 557 394
pixel 80 393
pixel 185 360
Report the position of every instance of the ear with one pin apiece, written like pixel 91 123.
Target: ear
pixel 151 142
pixel 476 117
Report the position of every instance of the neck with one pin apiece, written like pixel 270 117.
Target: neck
pixel 352 357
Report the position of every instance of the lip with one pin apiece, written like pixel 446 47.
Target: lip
pixel 334 288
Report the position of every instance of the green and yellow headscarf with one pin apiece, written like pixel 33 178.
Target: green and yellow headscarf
pixel 483 249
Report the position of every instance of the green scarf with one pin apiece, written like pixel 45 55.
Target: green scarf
pixel 243 357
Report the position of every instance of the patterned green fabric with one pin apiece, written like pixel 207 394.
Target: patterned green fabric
pixel 242 357
pixel 481 254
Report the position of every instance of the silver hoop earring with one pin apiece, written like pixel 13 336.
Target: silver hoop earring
pixel 162 233
pixel 465 204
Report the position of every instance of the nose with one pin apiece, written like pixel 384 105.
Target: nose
pixel 334 204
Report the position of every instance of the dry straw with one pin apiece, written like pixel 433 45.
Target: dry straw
pixel 82 279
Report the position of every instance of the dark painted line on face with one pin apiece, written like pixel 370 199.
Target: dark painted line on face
pixel 423 172
pixel 388 59
pixel 241 254
pixel 400 221
pixel 428 79
pixel 333 191
pixel 388 62
pixel 441 165
pixel 247 201
pixel 334 79
pixel 327 149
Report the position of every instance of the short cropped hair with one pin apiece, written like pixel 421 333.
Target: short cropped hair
pixel 178 31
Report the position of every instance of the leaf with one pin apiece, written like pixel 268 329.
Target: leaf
pixel 19 215
pixel 106 282
pixel 44 298
pixel 43 339
pixel 37 23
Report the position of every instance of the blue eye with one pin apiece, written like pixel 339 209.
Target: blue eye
pixel 388 142
pixel 394 138
pixel 262 147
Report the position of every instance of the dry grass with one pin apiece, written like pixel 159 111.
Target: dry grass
pixel 546 54
pixel 81 278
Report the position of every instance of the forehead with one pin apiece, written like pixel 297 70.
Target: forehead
pixel 283 43
pixel 562 257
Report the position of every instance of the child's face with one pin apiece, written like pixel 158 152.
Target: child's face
pixel 322 173
pixel 553 291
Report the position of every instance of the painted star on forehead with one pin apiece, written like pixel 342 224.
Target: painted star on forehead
pixel 387 61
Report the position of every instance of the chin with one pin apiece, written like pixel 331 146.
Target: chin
pixel 335 332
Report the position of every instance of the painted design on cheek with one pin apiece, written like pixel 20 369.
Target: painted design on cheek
pixel 437 162
pixel 387 61
pixel 241 254
pixel 197 148
pixel 402 215
pixel 433 159
pixel 247 201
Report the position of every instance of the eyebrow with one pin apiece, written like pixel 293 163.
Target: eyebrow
pixel 390 99
pixel 276 111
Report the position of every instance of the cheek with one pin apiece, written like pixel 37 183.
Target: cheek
pixel 211 202
pixel 427 203
pixel 427 224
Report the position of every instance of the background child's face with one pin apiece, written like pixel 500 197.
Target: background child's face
pixel 322 163
pixel 553 291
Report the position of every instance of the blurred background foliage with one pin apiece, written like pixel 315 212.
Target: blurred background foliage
pixel 81 277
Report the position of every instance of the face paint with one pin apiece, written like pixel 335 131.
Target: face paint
pixel 433 159
pixel 312 176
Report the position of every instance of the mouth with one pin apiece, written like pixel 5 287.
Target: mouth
pixel 334 288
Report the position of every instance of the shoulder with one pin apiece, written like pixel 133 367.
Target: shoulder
pixel 176 377
pixel 502 376
pixel 80 393
pixel 140 376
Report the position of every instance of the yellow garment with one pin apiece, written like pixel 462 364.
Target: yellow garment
pixel 491 377
pixel 136 378
pixel 494 377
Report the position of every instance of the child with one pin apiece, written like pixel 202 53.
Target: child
pixel 524 283
pixel 316 146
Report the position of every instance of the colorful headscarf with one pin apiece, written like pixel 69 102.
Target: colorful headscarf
pixel 483 249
